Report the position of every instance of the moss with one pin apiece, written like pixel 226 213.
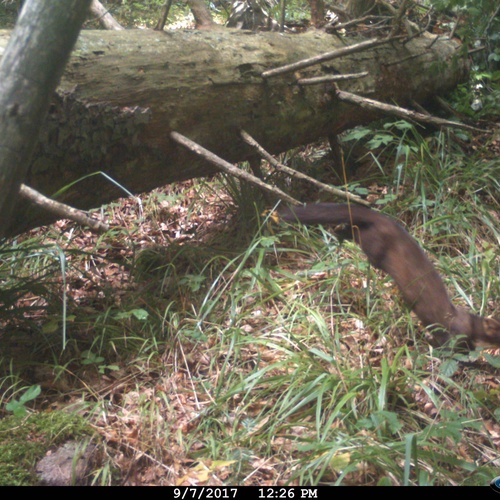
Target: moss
pixel 25 441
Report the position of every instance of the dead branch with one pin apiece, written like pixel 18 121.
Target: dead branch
pixel 410 25
pixel 396 23
pixel 61 210
pixel 299 175
pixel 475 50
pixel 359 20
pixel 104 17
pixel 230 169
pixel 390 109
pixel 455 26
pixel 331 78
pixel 421 30
pixel 419 108
pixel 358 47
pixel 163 16
pixel 492 17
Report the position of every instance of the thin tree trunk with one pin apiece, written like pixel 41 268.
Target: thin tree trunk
pixel 317 13
pixel 29 72
pixel 202 16
pixel 105 18
pixel 163 16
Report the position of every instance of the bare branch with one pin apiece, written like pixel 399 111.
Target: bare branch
pixel 401 112
pixel 396 23
pixel 299 175
pixel 61 210
pixel 282 15
pixel 331 78
pixel 358 47
pixel 353 22
pixel 491 19
pixel 455 26
pixel 231 169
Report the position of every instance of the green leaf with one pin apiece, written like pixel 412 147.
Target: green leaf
pixel 268 241
pixel 379 140
pixel 339 462
pixel 356 134
pixel 140 314
pixel 494 361
pixel 17 406
pixel 448 367
pixel 51 327
pixel 497 414
pixel 31 393
pixel 384 481
pixel 89 358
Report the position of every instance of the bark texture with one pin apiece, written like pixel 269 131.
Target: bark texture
pixel 123 92
pixel 32 63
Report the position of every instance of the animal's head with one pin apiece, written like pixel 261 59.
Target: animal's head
pixel 479 331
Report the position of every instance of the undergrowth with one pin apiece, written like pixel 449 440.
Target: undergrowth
pixel 212 346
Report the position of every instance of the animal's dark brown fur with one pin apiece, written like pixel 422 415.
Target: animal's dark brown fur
pixel 389 247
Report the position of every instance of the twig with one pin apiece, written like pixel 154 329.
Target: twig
pixel 436 38
pixel 299 175
pixel 452 111
pixel 62 210
pixel 390 109
pixel 476 49
pixel 401 61
pixel 330 78
pixel 358 47
pixel 345 25
pixel 419 107
pixel 422 30
pixel 455 26
pixel 410 25
pixel 229 168
pixel 396 23
pixel 492 17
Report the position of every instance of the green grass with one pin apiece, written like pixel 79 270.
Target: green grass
pixel 230 350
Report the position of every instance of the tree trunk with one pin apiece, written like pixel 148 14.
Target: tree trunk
pixel 31 66
pixel 317 13
pixel 163 16
pixel 105 18
pixel 357 8
pixel 125 91
pixel 202 17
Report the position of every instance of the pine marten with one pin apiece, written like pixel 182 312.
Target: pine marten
pixel 390 247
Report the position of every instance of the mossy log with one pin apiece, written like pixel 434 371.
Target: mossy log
pixel 123 92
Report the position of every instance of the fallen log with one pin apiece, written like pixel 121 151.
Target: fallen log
pixel 125 92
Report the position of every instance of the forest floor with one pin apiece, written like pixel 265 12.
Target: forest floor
pixel 207 348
